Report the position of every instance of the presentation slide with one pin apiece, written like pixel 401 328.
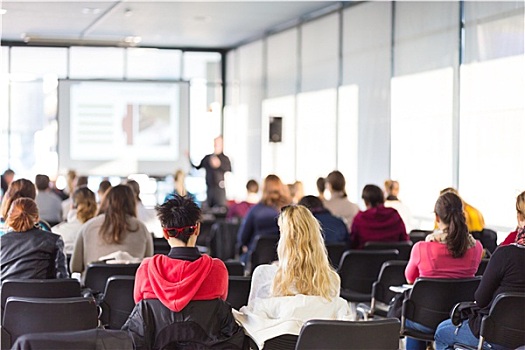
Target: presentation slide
pixel 122 127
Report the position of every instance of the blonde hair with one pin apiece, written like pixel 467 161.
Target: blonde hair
pixel 303 260
pixel 520 205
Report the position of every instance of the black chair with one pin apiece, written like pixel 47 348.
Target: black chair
pixel 430 301
pixel 282 342
pixel 38 315
pixel 504 324
pixel 418 235
pixel 487 238
pixel 222 240
pixel 234 267
pixel 392 274
pixel 238 291
pixel 349 335
pixel 117 302
pixel 97 274
pixel 404 248
pixel 265 251
pixel 482 266
pixel 335 252
pixel 95 339
pixel 39 288
pixel 161 246
pixel 359 269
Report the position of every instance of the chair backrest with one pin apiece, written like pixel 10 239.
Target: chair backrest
pixel 39 288
pixel 335 252
pixel 265 250
pixel 482 266
pixel 222 240
pixel 359 269
pixel 238 291
pixel 488 239
pixel 349 335
pixel 404 247
pixel 505 324
pixel 117 301
pixel 37 315
pixel 96 339
pixel 160 246
pixel 418 235
pixel 234 267
pixel 431 299
pixel 97 274
pixel 392 274
pixel 281 342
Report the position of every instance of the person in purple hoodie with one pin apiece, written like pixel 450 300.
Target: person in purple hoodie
pixel 377 223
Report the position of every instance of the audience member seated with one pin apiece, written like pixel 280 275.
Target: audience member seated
pixel 115 229
pixel 71 186
pixel 449 252
pixel 392 201
pixel 147 217
pixel 520 209
pixel 321 187
pixel 49 204
pixel 377 223
pixel 6 178
pixel 180 187
pixel 21 188
pixel 260 220
pixel 473 216
pixel 296 191
pixel 302 286
pixel 27 251
pixel 103 188
pixel 504 273
pixel 338 204
pixel 237 211
pixel 83 208
pixel 176 279
pixel 333 229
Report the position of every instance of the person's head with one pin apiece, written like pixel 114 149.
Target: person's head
pixel 71 180
pixel 82 181
pixel 23 215
pixel 321 186
pixel 373 196
pixel 118 204
pixel 21 188
pixel 9 176
pixel 85 203
pixel 42 182
pixel 336 182
pixel 520 209
pixel 180 185
pixel 274 193
pixel 451 219
pixel 180 220
pixel 312 202
pixel 218 145
pixel 391 188
pixel 103 188
pixel 297 191
pixel 135 187
pixel 449 189
pixel 252 186
pixel 303 261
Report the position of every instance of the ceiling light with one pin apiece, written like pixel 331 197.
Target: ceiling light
pixel 202 19
pixel 3 11
pixel 90 10
pixel 132 40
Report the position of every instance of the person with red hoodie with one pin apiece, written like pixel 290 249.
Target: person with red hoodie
pixel 181 296
pixel 377 223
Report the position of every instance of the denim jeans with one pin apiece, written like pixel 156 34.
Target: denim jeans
pixel 447 335
pixel 415 344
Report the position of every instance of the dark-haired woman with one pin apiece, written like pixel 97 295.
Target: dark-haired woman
pixel 116 228
pixel 28 252
pixel 449 252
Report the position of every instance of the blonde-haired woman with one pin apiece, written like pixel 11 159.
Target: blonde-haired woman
pixel 260 220
pixel 300 287
pixel 83 208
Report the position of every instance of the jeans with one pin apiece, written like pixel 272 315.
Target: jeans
pixel 447 335
pixel 415 344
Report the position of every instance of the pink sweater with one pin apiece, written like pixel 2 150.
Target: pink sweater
pixel 432 259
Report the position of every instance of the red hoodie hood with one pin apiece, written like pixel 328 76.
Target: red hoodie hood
pixel 175 282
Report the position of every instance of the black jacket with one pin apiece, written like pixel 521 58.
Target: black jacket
pixel 34 254
pixel 202 324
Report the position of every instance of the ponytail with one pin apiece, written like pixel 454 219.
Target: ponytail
pixel 449 209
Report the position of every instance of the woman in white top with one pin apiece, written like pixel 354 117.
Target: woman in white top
pixel 338 204
pixel 300 287
pixel 83 208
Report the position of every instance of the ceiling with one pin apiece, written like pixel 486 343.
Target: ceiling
pixel 176 24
